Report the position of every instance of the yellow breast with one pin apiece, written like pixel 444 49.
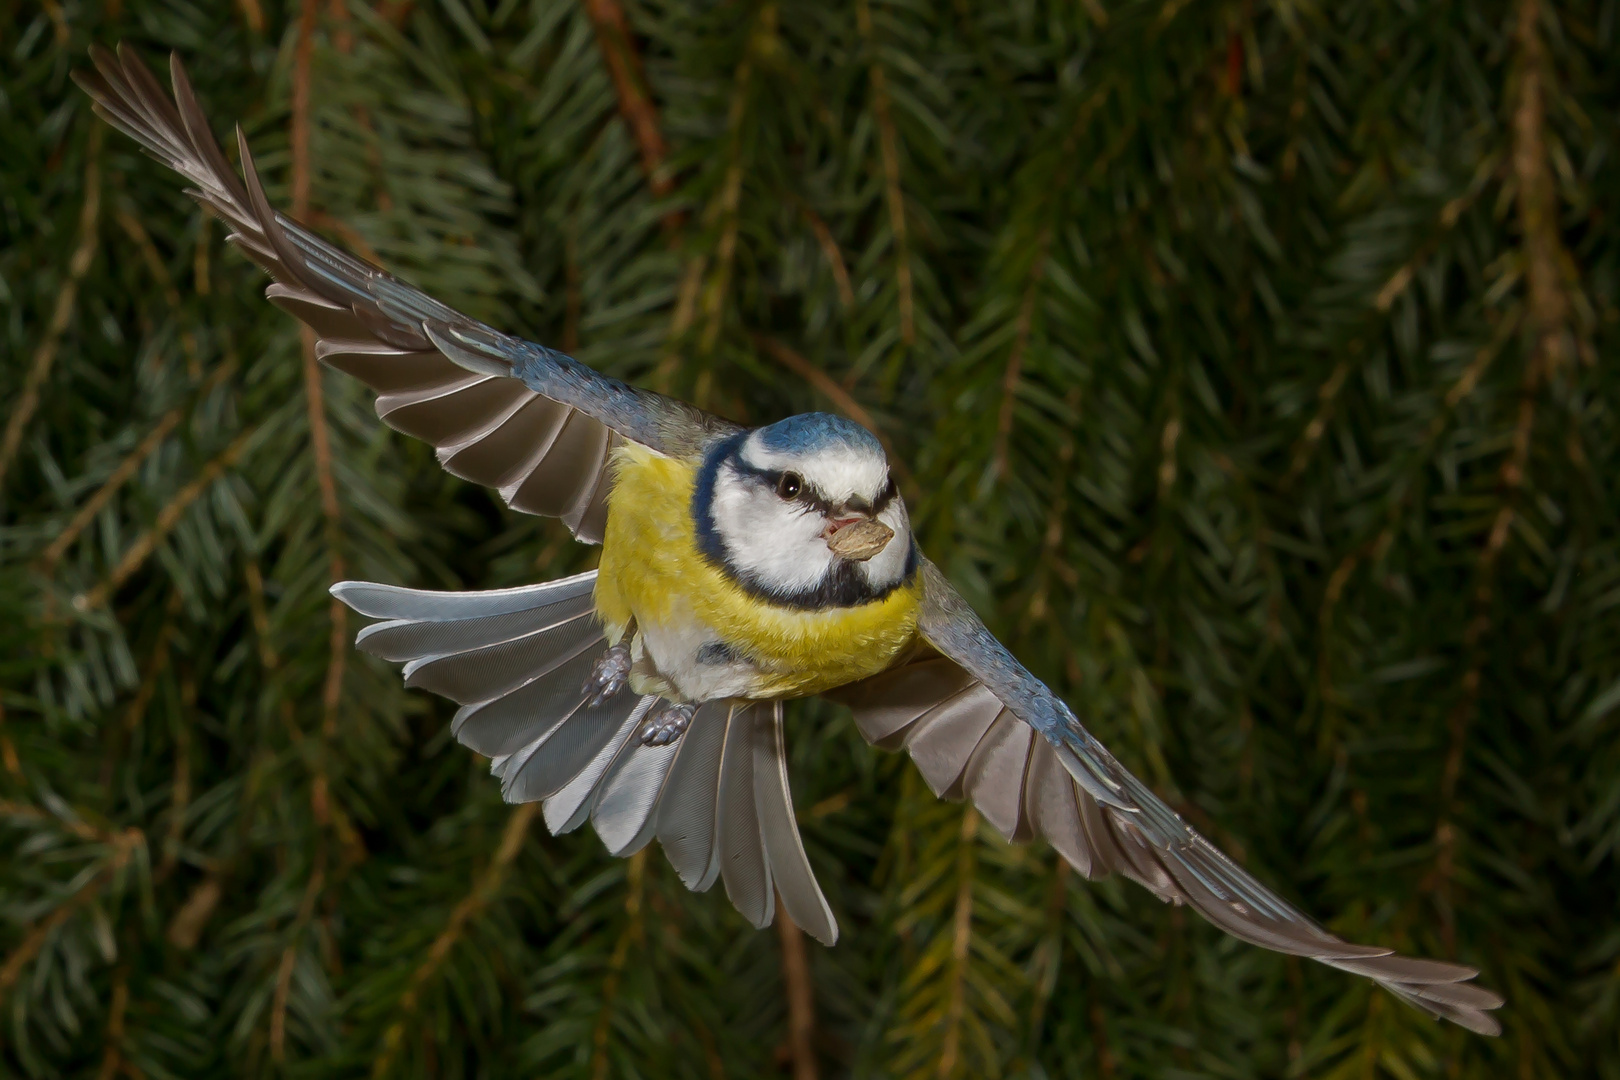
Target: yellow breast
pixel 652 570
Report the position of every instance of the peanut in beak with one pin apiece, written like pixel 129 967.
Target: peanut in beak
pixel 858 541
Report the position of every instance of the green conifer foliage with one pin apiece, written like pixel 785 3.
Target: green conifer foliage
pixel 1255 366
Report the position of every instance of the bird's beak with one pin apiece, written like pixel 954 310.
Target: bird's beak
pixel 856 538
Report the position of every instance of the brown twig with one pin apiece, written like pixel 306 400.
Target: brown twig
pixel 35 938
pixel 1015 358
pixel 81 829
pixel 484 891
pixel 636 875
pixel 801 996
pixel 1168 439
pixel 889 148
pixel 289 954
pixel 155 665
pixel 1049 953
pixel 66 299
pixel 834 257
pixel 1375 548
pixel 112 1058
pixel 1538 197
pixel 1548 310
pixel 1326 395
pixel 1052 536
pixel 640 114
pixel 810 373
pixel 180 800
pixel 1014 371
pixel 252 14
pixel 724 209
pixel 1099 1037
pixel 155 266
pixel 147 542
pixel 961 945
pixel 186 928
pixel 8 749
pixel 319 432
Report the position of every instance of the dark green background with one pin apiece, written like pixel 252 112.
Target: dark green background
pixel 1255 365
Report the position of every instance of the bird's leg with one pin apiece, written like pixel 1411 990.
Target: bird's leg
pixel 610 673
pixel 666 723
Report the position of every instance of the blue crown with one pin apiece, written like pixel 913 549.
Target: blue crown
pixel 807 433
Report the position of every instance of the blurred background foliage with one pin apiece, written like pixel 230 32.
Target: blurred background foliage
pixel 1255 361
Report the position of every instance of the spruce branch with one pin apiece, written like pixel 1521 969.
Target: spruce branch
pixel 144 545
pixel 636 105
pixel 67 296
pixel 961 945
pixel 889 151
pixel 484 892
pixel 126 469
pixel 319 440
pixel 122 847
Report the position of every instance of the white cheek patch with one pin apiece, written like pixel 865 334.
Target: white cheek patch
pixel 887 568
pixel 778 543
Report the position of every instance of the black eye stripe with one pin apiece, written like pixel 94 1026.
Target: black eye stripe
pixel 886 496
pixel 809 494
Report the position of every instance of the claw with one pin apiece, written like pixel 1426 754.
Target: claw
pixel 666 723
pixel 608 675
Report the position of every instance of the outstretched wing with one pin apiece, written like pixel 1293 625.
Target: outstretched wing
pixel 980 726
pixel 536 425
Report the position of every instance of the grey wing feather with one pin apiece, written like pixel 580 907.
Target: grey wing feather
pixel 567 808
pixel 535 424
pixel 953 708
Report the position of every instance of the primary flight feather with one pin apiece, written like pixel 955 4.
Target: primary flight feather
pixel 740 567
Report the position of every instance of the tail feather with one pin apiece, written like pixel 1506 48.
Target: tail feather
pixel 567 808
pixel 517 661
pixel 743 865
pixel 684 820
pixel 784 849
pixel 622 812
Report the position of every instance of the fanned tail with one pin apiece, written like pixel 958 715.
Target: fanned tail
pixel 517 660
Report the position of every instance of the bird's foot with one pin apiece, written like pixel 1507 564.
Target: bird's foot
pixel 666 723
pixel 609 674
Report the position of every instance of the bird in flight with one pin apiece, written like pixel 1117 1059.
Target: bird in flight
pixel 740 567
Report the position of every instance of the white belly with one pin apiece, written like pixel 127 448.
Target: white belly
pixel 683 659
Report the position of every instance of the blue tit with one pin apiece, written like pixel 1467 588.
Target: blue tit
pixel 740 568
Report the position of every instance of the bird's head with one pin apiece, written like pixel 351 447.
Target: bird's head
pixel 805 512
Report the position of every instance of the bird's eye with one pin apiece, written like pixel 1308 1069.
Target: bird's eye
pixel 789 485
